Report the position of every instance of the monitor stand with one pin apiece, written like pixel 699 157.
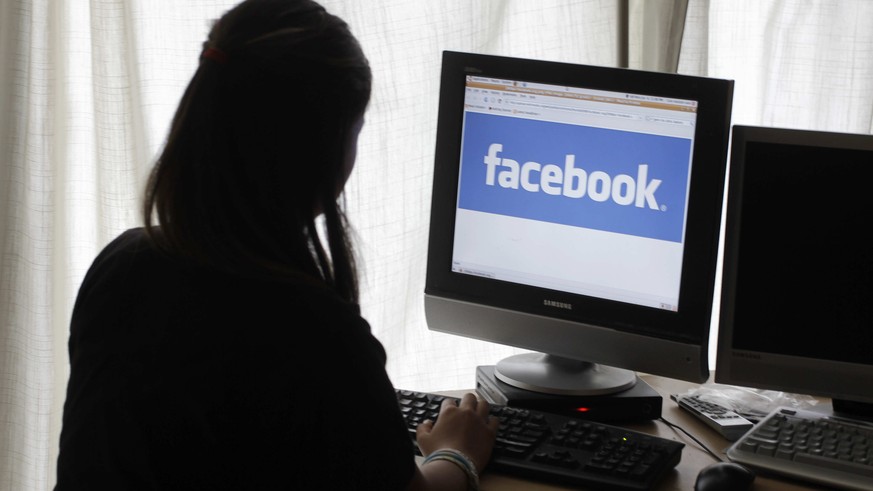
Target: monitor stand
pixel 539 372
pixel 640 402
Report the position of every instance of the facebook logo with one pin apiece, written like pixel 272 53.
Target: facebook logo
pixel 599 185
pixel 603 179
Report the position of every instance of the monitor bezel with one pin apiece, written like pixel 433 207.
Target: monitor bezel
pixel 771 371
pixel 620 329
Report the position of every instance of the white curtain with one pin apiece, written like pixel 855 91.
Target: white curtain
pixel 87 89
pixel 797 63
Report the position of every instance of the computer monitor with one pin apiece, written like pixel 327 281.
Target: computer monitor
pixel 797 292
pixel 575 214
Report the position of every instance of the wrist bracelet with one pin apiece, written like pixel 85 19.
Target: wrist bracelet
pixel 460 460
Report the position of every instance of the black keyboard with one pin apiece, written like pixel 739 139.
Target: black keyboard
pixel 560 449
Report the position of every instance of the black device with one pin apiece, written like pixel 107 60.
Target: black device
pixel 551 447
pixel 796 314
pixel 638 403
pixel 796 311
pixel 575 213
pixel 724 476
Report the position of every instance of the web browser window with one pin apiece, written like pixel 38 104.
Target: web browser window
pixel 573 189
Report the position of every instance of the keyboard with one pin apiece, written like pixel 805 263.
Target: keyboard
pixel 561 449
pixel 810 446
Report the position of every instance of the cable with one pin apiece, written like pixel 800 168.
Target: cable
pixel 701 444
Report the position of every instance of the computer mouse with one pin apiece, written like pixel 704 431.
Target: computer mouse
pixel 724 476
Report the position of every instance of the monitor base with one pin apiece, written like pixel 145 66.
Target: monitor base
pixel 639 403
pixel 540 372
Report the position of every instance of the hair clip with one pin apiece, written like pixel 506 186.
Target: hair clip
pixel 214 54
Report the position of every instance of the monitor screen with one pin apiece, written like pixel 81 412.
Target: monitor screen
pixel 576 213
pixel 796 311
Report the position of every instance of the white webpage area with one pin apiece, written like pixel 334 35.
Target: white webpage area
pixel 568 259
pixel 571 259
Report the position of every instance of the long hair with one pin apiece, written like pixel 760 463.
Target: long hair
pixel 258 144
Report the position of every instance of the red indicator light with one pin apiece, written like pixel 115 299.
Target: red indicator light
pixel 582 409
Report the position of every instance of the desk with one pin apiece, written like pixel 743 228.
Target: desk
pixel 693 457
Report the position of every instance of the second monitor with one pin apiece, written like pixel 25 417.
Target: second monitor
pixel 576 213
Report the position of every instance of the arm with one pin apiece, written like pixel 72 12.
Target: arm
pixel 467 428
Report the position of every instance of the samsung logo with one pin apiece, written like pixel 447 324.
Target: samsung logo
pixel 560 305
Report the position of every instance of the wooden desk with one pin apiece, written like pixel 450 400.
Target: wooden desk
pixel 693 457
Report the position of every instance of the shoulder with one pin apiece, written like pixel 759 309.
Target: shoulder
pixel 116 258
pixel 126 250
pixel 131 241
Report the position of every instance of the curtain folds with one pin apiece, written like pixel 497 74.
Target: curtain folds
pixel 655 34
pixel 796 63
pixel 87 90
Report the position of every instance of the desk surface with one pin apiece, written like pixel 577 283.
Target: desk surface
pixel 693 457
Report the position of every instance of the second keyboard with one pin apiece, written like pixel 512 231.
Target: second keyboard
pixel 810 446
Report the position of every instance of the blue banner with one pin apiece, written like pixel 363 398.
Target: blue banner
pixel 603 179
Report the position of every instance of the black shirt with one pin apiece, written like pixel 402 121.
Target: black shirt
pixel 187 378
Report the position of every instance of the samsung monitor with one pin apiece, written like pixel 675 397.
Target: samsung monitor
pixel 575 214
pixel 797 292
